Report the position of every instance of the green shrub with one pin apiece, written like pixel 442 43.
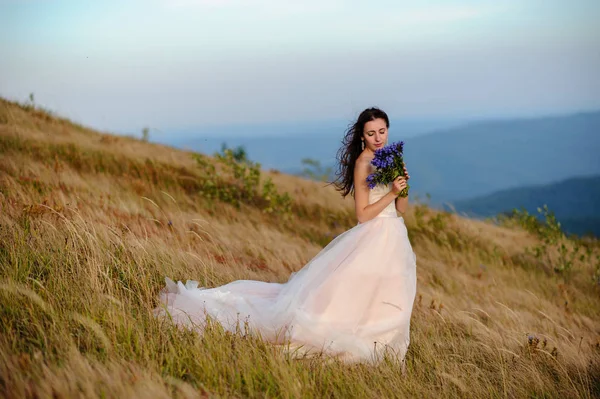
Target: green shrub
pixel 553 239
pixel 232 178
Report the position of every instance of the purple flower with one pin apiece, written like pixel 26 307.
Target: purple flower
pixel 389 164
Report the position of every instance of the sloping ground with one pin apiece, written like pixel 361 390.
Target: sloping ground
pixel 91 223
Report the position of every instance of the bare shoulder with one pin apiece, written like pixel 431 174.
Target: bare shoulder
pixel 361 171
pixel 363 162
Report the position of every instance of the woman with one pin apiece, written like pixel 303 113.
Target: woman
pixel 354 299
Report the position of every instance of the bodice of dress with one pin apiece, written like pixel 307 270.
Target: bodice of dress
pixel 376 193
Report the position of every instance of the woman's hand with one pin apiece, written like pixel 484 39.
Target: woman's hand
pixel 406 173
pixel 399 184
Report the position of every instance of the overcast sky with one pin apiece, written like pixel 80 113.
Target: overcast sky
pixel 122 65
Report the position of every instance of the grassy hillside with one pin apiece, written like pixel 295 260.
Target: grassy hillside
pixel 91 223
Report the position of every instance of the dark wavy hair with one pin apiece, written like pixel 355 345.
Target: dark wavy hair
pixel 351 149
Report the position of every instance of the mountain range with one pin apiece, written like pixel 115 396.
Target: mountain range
pixel 451 163
pixel 481 158
pixel 575 203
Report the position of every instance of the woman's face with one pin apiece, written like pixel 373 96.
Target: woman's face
pixel 375 134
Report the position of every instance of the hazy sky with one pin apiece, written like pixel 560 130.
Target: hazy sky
pixel 121 65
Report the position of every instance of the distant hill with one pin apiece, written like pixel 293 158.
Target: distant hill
pixel 452 163
pixel 283 145
pixel 481 158
pixel 575 202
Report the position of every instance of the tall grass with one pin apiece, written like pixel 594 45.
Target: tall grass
pixel 89 228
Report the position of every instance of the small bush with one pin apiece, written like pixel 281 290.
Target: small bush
pixel 315 171
pixel 235 180
pixel 553 240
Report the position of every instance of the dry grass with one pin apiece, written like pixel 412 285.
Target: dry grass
pixel 92 223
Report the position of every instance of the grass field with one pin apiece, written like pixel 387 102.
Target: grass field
pixel 91 224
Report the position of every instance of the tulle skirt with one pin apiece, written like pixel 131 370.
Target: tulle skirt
pixel 353 300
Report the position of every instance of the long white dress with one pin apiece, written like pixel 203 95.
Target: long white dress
pixel 353 300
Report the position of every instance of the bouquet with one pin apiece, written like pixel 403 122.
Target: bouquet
pixel 389 164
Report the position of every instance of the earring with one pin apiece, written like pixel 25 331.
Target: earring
pixel 362 143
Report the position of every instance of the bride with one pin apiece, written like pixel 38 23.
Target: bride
pixel 353 300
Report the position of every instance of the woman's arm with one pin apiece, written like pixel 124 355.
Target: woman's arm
pixel 364 211
pixel 402 204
